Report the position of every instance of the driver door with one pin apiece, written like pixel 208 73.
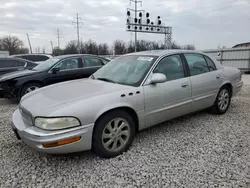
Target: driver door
pixel 69 70
pixel 164 101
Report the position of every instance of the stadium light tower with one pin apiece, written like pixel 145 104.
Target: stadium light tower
pixel 144 24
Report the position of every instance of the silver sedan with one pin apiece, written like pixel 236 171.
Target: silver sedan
pixel 131 93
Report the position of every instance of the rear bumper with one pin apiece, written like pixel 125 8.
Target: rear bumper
pixel 237 87
pixel 35 137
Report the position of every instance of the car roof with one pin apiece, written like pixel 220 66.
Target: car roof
pixel 76 55
pixel 16 58
pixel 18 55
pixel 163 52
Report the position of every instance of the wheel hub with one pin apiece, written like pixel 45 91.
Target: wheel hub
pixel 116 134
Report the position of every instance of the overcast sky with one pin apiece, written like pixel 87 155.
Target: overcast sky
pixel 204 23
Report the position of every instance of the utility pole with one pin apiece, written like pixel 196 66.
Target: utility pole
pixel 135 18
pixel 137 25
pixel 81 45
pixel 58 36
pixel 135 31
pixel 77 27
pixel 29 43
pixel 52 48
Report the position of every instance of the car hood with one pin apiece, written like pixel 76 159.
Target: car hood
pixel 17 74
pixel 48 99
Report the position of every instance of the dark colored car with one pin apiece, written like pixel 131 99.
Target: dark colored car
pixel 55 70
pixel 11 64
pixel 34 57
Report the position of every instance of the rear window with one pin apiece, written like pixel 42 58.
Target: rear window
pixel 35 58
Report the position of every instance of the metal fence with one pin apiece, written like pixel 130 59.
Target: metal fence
pixel 232 57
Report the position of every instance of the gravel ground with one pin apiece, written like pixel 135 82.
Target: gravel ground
pixel 200 150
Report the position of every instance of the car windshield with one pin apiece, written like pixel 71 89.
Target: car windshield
pixel 126 70
pixel 46 64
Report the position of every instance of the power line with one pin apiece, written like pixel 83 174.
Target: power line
pixel 77 22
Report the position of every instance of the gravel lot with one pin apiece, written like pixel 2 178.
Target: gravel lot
pixel 200 150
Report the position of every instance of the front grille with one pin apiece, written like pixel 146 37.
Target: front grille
pixel 27 117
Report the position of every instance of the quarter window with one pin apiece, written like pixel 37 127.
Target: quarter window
pixel 171 67
pixel 20 64
pixel 92 61
pixel 197 64
pixel 210 63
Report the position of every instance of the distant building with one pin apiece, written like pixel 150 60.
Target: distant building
pixel 242 45
pixel 4 53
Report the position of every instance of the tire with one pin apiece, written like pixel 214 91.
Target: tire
pixel 105 134
pixel 218 108
pixel 28 86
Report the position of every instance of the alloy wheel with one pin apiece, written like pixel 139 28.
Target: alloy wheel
pixel 31 88
pixel 116 135
pixel 223 99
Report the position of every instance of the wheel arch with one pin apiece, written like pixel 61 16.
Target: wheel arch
pixel 229 85
pixel 28 82
pixel 127 109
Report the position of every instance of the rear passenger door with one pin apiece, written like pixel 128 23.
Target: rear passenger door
pixel 205 79
pixel 90 65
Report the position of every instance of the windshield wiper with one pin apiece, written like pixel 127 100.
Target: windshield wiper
pixel 106 80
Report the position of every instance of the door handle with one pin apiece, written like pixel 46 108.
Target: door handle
pixel 184 85
pixel 218 76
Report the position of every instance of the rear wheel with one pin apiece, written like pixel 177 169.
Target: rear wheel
pixel 113 134
pixel 223 101
pixel 29 88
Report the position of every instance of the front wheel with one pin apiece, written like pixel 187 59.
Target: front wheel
pixel 223 101
pixel 113 134
pixel 29 88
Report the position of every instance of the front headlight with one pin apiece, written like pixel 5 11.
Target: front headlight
pixel 56 123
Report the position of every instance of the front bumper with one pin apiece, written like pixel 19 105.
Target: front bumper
pixel 35 137
pixel 7 92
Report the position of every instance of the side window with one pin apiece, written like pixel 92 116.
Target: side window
pixel 92 61
pixel 171 66
pixel 196 63
pixel 35 57
pixel 210 63
pixel 69 64
pixel 40 58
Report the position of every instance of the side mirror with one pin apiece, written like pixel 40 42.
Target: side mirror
pixel 55 70
pixel 158 78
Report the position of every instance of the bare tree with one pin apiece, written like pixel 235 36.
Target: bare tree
pixel 103 49
pixel 189 47
pixel 71 47
pixel 57 51
pixel 119 47
pixel 91 47
pixel 12 44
